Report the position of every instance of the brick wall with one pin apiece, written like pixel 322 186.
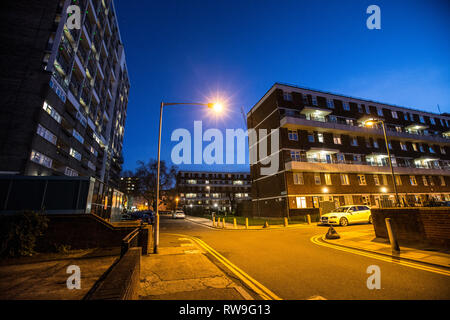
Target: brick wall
pixel 425 225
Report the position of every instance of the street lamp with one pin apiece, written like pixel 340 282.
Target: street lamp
pixel 217 107
pixel 375 121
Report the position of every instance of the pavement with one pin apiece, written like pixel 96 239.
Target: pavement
pixel 182 270
pixel 209 223
pixel 366 240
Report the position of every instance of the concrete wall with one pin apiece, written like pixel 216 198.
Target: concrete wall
pixel 425 225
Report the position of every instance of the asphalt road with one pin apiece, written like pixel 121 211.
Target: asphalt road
pixel 291 266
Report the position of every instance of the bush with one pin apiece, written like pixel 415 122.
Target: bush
pixel 19 233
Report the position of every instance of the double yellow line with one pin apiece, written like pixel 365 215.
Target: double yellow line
pixel 318 240
pixel 257 287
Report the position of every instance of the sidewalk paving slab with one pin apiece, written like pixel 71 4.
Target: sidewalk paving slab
pixel 366 240
pixel 181 270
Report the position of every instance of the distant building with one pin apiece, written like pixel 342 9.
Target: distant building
pixel 64 92
pixel 217 191
pixel 327 154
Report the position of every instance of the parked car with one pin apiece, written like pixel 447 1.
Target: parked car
pixel 435 203
pixel 178 214
pixel 146 216
pixel 346 215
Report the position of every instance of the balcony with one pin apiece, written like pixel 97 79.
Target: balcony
pixel 308 164
pixel 75 87
pixel 62 64
pixel 342 125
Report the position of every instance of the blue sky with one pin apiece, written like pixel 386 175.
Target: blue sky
pixel 194 51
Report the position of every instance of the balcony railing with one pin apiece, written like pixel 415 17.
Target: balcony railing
pixel 355 123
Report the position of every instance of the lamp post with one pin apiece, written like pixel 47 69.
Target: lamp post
pixel 216 107
pixel 371 122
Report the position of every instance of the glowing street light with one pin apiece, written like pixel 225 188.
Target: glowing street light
pixel 371 122
pixel 217 107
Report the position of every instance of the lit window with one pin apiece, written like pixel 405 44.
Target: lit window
pixel 55 115
pixel 314 100
pixel 70 172
pixel 293 135
pixel 41 159
pixel 327 178
pixel 403 146
pixel 412 180
pixel 317 178
pixel 320 137
pixel 298 178
pixel 394 114
pixel 354 142
pixel 349 121
pixel 375 144
pixel 432 121
pixel 376 180
pixel 442 180
pixel 337 140
pixel 398 180
pixel 431 150
pixel 346 106
pixel 362 180
pixel 330 103
pixel 311 137
pixel 344 179
pixel 380 112
pixel 295 155
pixel 77 136
pixel 421 119
pixel 74 153
pixel 421 148
pixel 46 134
pixel 301 202
pixel 424 180
pixel 414 146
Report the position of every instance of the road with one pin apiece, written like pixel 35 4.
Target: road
pixel 290 265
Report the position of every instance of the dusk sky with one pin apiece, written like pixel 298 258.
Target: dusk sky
pixel 195 51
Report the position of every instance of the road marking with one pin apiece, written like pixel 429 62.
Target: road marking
pixel 316 298
pixel 257 287
pixel 318 240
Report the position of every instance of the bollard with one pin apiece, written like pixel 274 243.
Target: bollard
pixel 266 224
pixel 218 222
pixel 234 223
pixel 308 217
pixel 223 223
pixel 392 236
pixel 246 223
pixel 285 222
pixel 214 221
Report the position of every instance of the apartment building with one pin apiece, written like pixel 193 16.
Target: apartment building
pixel 328 152
pixel 215 191
pixel 64 91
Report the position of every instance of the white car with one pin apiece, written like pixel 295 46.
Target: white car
pixel 346 215
pixel 178 214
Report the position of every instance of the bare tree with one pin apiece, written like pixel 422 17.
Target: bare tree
pixel 146 186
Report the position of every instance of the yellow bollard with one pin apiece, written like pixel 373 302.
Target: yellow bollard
pixel 214 221
pixel 308 217
pixel 234 223
pixel 246 223
pixel 223 223
pixel 266 224
pixel 218 222
pixel 285 222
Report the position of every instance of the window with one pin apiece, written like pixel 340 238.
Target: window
pixel 398 180
pixel 376 180
pixel 375 144
pixel 398 129
pixel 191 181
pixel 41 159
pixel 421 148
pixel 421 119
pixel 327 178
pixel 412 180
pixel 301 202
pixel 432 121
pixel 360 108
pixel 330 103
pixel 317 178
pixel 431 180
pixel 81 118
pixel 354 142
pixel 70 172
pixel 390 146
pixel 385 182
pixel 380 112
pixel 337 140
pixel 346 106
pixel 442 179
pixel 344 179
pixel 74 153
pixel 310 136
pixel 425 181
pixel 394 114
pixel 405 116
pixel 442 150
pixel 362 180
pixel 305 99
pixel 92 166
pixel 238 182
pixel 77 136
pixel 287 96
pixel 349 121
pixel 314 100
pixel 46 134
pixel 320 137
pixel 431 150
pixel 295 155
pixel 298 178
pixel 414 146
pixel 55 115
pixel 293 135
pixel 411 117
pixel 403 146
